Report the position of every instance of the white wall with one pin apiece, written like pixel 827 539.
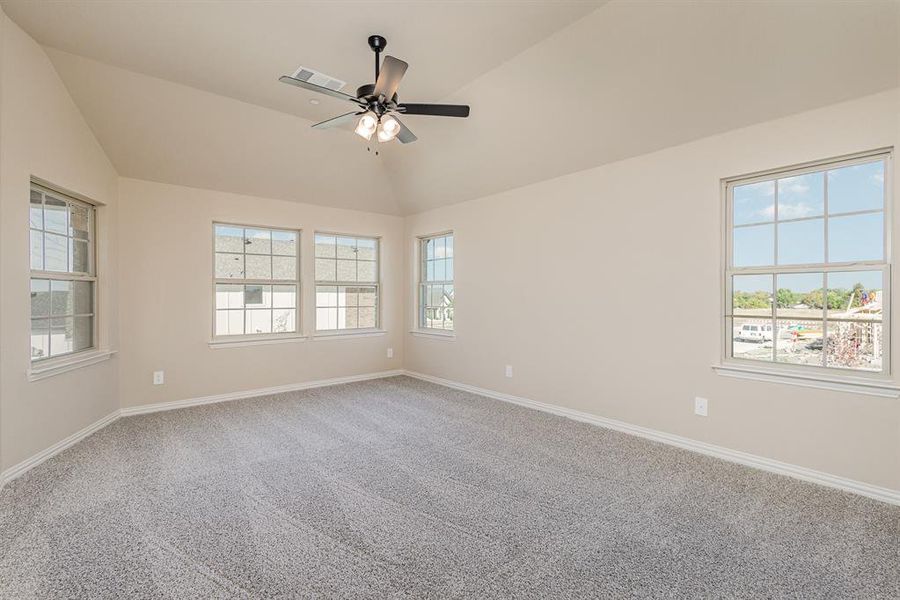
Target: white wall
pixel 45 136
pixel 166 258
pixel 639 241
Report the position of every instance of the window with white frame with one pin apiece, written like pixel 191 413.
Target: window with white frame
pixel 63 274
pixel 257 281
pixel 808 270
pixel 436 282
pixel 347 290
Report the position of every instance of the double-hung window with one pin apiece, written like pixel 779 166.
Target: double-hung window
pixel 808 269
pixel 257 282
pixel 63 274
pixel 347 289
pixel 436 282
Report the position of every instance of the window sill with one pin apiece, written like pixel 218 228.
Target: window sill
pixel 435 333
pixel 54 367
pixel 855 385
pixel 220 344
pixel 342 334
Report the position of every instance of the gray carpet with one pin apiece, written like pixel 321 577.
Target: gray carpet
pixel 397 488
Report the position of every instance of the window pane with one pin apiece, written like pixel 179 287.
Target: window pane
pixel 855 295
pixel 229 239
pixel 326 296
pixel 858 187
pixel 284 243
pixel 284 296
pixel 449 246
pixel 37 250
pixel 440 270
pixel 36 217
pixel 440 247
pixel 284 267
pixel 367 296
pixel 40 298
pixel 855 345
pixel 326 319
pixel 40 338
pixel 346 247
pixel 84 333
pixel 83 292
pixel 429 270
pixel 325 269
pixel 229 296
pixel 799 342
pixel 429 249
pixel 55 253
pixel 257 241
pixel 367 317
pixel 856 238
pixel 348 296
pixel 283 321
pixel 754 246
pixel 325 246
pixel 366 271
pixel 754 203
pixel 78 255
pixel 229 266
pixel 79 221
pixel 435 295
pixel 801 196
pixel 346 269
pixel 366 249
pixel 801 242
pixel 259 321
pixel 257 296
pixel 348 317
pixel 229 322
pixel 751 295
pixel 55 215
pixel 752 338
pixel 800 295
pixel 258 267
pixel 61 335
pixel 449 269
pixel 61 300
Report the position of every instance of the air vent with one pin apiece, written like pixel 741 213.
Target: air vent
pixel 317 78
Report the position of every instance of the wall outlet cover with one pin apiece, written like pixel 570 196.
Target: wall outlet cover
pixel 701 406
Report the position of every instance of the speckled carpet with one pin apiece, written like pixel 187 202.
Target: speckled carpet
pixel 397 488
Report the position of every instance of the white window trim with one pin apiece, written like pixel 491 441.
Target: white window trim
pixel 355 331
pixel 830 378
pixel 52 365
pixel 420 283
pixel 68 362
pixel 252 339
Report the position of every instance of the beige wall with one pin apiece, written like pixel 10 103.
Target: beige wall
pixel 608 241
pixel 166 295
pixel 45 136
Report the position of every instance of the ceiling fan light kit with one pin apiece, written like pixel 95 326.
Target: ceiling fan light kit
pixel 377 104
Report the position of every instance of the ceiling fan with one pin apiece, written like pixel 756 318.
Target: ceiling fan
pixel 377 105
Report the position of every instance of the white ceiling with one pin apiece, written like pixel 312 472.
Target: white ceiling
pixel 186 93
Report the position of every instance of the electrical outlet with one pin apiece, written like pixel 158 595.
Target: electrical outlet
pixel 159 377
pixel 509 370
pixel 390 353
pixel 701 406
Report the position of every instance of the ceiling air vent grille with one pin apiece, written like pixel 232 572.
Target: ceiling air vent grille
pixel 317 78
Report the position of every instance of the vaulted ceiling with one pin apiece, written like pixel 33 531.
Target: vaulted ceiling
pixel 187 92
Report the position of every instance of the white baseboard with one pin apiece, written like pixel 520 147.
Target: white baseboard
pixel 751 460
pixel 29 463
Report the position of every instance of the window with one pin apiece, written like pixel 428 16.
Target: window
pixel 436 282
pixel 347 292
pixel 63 277
pixel 808 275
pixel 256 281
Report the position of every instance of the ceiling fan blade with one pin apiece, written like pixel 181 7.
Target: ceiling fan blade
pixel 435 110
pixel 405 136
pixel 392 71
pixel 318 88
pixel 339 120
